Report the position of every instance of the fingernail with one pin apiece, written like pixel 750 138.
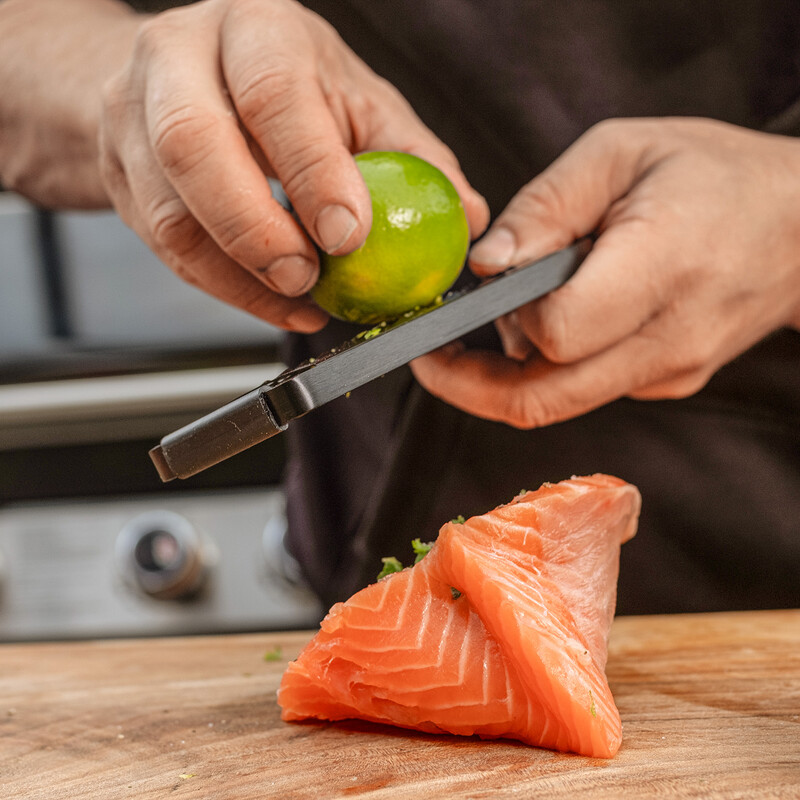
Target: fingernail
pixel 496 249
pixel 290 275
pixel 334 226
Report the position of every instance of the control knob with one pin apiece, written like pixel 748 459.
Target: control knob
pixel 161 554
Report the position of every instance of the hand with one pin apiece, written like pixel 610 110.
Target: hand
pixel 697 258
pixel 221 94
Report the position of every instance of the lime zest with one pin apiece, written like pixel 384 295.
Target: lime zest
pixel 275 654
pixel 390 565
pixel 421 549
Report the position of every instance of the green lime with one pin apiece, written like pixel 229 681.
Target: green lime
pixel 414 251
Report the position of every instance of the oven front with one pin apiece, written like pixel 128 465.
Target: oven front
pixel 102 351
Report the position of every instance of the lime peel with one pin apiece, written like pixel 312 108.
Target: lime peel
pixel 414 252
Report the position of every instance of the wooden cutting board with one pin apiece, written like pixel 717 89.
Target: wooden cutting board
pixel 710 706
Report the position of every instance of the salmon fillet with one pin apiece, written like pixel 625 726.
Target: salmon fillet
pixel 500 631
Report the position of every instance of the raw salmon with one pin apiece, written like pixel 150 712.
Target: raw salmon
pixel 500 631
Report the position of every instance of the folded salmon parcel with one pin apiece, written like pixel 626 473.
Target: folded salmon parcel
pixel 501 630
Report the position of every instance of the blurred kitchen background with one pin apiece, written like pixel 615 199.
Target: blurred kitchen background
pixel 102 352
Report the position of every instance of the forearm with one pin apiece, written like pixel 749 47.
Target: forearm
pixel 55 56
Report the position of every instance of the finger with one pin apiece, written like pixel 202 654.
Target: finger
pixel 619 288
pixel 298 114
pixel 198 144
pixel 538 393
pixel 475 206
pixel 270 67
pixel 568 200
pixel 482 383
pixel 149 205
pixel 211 270
pixel 515 343
pixel 201 263
pixel 395 125
pixel 408 134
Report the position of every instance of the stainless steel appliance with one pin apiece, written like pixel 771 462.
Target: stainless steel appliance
pixel 102 350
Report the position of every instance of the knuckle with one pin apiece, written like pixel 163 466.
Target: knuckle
pixel 117 108
pixel 527 409
pixel 278 10
pixel 373 108
pixel 677 387
pixel 681 364
pixel 266 93
pixel 542 199
pixel 686 385
pixel 182 137
pixel 114 96
pixel 374 92
pixel 112 174
pixel 611 131
pixel 326 32
pixel 300 168
pixel 184 273
pixel 547 326
pixel 692 354
pixel 270 99
pixel 610 128
pixel 555 349
pixel 157 32
pixel 151 36
pixel 173 229
pixel 253 301
pixel 615 139
pixel 238 236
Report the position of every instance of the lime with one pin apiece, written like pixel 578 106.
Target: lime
pixel 414 251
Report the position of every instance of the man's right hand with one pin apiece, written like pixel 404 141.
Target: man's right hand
pixel 221 94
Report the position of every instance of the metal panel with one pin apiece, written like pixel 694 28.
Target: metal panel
pixel 83 410
pixel 121 294
pixel 63 576
pixel 23 317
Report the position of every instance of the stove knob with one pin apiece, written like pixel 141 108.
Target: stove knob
pixel 161 554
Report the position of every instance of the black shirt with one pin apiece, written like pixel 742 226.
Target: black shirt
pixel 509 85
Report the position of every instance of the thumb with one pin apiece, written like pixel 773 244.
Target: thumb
pixel 568 200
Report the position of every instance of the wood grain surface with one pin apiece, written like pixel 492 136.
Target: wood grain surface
pixel 710 706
